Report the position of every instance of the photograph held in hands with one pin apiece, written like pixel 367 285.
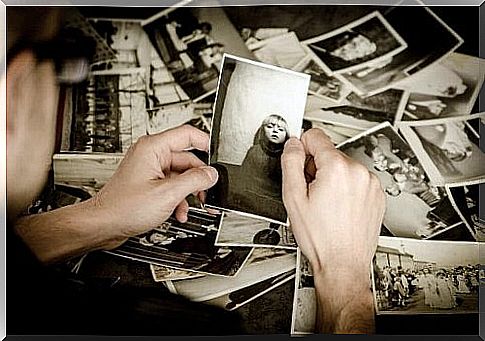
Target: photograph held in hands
pixel 258 108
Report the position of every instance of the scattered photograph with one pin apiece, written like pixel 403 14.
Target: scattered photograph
pixel 264 263
pixel 449 88
pixel 239 230
pixel 163 273
pixel 448 148
pixel 321 84
pixel 429 40
pixel 363 113
pixel 191 42
pixel 415 208
pixel 304 300
pixel 239 298
pixel 425 277
pixel 258 107
pixel 186 246
pixel 368 40
pixel 283 50
pixel 465 198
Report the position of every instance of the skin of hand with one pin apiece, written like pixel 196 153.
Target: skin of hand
pixel 153 180
pixel 335 207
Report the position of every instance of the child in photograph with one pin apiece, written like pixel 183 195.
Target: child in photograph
pixel 261 167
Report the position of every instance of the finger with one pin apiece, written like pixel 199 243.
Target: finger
pixel 293 171
pixel 181 161
pixel 318 145
pixel 193 180
pixel 181 211
pixel 181 138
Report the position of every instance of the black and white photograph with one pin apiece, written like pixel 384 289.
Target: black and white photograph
pixel 191 42
pixel 414 207
pixel 425 277
pixel 304 300
pixel 322 85
pixel 263 264
pixel 162 273
pixel 258 108
pixel 449 88
pixel 448 148
pixel 366 41
pixel 239 298
pixel 465 198
pixel 186 246
pixel 282 50
pixel 239 230
pixel 429 40
pixel 356 112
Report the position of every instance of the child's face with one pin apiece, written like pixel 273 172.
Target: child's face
pixel 275 131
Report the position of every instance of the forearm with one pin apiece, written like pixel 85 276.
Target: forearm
pixel 345 303
pixel 66 232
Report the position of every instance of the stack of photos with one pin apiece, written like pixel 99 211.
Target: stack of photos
pixel 258 108
pixel 263 264
pixel 186 246
pixel 437 278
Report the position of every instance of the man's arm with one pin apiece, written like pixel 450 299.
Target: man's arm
pixel 152 182
pixel 335 206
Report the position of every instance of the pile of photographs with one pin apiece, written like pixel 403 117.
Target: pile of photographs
pixel 392 96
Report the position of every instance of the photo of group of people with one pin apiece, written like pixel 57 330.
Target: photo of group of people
pixel 191 43
pixel 407 186
pixel 440 278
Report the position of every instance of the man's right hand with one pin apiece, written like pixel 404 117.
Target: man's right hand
pixel 335 217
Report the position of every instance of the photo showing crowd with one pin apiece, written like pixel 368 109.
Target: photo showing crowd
pixel 408 279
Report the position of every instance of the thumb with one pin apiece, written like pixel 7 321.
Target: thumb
pixel 192 180
pixel 293 171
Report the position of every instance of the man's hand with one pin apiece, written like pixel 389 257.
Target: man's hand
pixel 152 182
pixel 335 207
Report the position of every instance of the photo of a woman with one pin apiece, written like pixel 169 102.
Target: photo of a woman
pixel 261 168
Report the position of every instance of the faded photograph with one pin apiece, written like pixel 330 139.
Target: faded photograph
pixel 163 273
pixel 428 40
pixel 304 304
pixel 414 207
pixel 362 113
pixel 368 40
pixel 258 108
pixel 449 88
pixel 239 230
pixel 239 298
pixel 191 42
pixel 321 84
pixel 264 263
pixel 425 277
pixel 186 246
pixel 449 148
pixel 465 199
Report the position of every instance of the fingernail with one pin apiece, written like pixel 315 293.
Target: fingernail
pixel 211 172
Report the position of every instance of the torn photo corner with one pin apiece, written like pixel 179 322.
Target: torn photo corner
pixel 258 108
